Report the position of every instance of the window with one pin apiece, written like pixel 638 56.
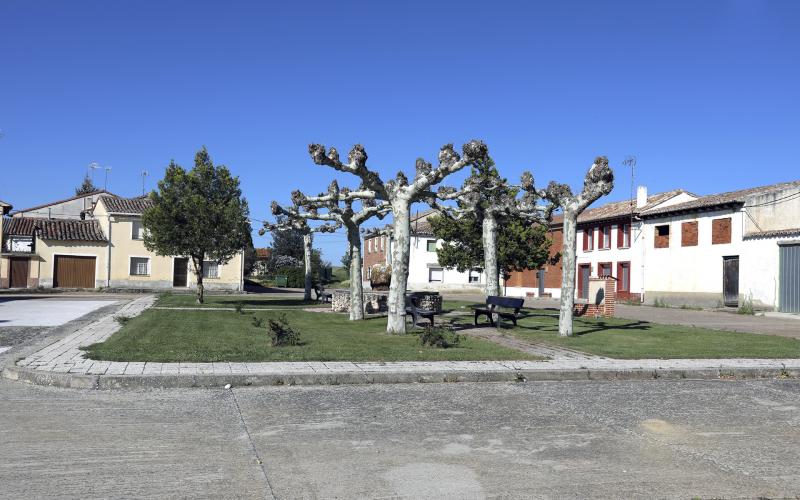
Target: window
pixel 369 245
pixel 604 269
pixel 474 275
pixel 588 239
pixel 605 237
pixel 721 231
pixel 137 230
pixel 435 275
pixel 383 243
pixel 661 239
pixel 22 244
pixel 210 269
pixel 623 277
pixel 140 266
pixel 689 234
pixel 431 245
pixel 624 236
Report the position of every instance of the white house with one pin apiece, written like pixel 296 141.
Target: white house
pixel 424 271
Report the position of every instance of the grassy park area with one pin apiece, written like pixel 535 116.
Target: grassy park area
pixel 169 335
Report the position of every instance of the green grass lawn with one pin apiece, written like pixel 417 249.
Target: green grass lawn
pixel 202 336
pixel 629 339
pixel 271 300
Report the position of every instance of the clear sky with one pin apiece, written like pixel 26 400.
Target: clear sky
pixel 704 93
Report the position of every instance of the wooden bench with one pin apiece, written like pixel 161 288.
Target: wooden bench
pixel 322 295
pixel 412 308
pixel 506 303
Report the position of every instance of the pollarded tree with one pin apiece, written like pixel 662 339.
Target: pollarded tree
pixel 492 227
pixel 599 181
pixel 290 219
pixel 400 194
pixel 338 205
pixel 200 214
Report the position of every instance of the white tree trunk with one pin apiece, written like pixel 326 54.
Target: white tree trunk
pixel 568 273
pixel 356 285
pixel 401 212
pixel 308 243
pixel 489 226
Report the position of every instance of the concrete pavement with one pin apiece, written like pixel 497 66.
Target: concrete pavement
pixel 633 439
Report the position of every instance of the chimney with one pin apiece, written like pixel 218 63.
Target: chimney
pixel 641 196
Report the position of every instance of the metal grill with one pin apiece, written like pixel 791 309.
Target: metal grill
pixel 789 288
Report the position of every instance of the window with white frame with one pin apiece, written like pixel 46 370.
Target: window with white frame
pixel 435 275
pixel 474 275
pixel 431 247
pixel 210 269
pixel 383 243
pixel 137 230
pixel 140 266
pixel 606 238
pixel 369 246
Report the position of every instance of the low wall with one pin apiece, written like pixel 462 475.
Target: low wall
pixel 378 302
pixel 602 302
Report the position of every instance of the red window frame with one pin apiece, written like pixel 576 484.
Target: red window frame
pixel 623 230
pixel 608 265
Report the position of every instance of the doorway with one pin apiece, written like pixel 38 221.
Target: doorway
pixel 584 272
pixel 730 280
pixel 180 272
pixel 20 267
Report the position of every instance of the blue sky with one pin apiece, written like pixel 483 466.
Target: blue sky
pixel 705 94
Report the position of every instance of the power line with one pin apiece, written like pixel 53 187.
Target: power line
pixel 773 202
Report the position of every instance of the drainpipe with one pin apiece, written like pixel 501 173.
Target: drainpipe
pixel 108 258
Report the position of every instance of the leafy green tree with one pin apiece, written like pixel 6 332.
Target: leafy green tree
pixel 200 213
pixel 520 244
pixel 86 187
pixel 346 258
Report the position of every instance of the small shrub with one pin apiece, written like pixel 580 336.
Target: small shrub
pixel 257 321
pixel 281 333
pixel 121 319
pixel 747 306
pixel 238 306
pixel 660 303
pixel 438 336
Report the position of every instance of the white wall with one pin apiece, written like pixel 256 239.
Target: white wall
pixel 613 255
pixel 421 260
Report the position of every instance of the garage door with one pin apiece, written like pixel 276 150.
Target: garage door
pixel 74 272
pixel 789 289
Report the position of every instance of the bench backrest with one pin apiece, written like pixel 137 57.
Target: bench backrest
pixel 509 302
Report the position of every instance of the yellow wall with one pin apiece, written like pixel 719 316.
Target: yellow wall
pixel 43 262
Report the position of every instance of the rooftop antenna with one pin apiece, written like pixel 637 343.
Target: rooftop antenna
pixel 105 184
pixel 90 171
pixel 144 175
pixel 630 161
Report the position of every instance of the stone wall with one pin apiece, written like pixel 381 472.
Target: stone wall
pixel 378 302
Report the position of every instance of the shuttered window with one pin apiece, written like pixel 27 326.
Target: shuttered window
pixel 435 274
pixel 140 266
pixel 624 236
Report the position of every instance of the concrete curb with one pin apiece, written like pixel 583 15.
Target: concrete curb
pixel 107 382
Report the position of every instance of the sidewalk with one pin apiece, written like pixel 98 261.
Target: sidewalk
pixel 64 364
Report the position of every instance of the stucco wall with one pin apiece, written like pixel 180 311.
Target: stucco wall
pixel 161 268
pixel 43 263
pixel 614 255
pixel 773 211
pixel 70 209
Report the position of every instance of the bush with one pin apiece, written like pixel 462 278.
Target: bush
pixel 747 306
pixel 295 276
pixel 121 319
pixel 238 306
pixel 380 276
pixel 438 336
pixel 281 333
pixel 257 322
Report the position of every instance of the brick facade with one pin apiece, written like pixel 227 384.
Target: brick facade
pixel 661 239
pixel 552 272
pixel 374 252
pixel 689 234
pixel 721 231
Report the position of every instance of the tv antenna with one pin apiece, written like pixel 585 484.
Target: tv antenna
pixel 105 184
pixel 144 175
pixel 90 171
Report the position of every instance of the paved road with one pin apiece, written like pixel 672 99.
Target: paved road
pixel 46 311
pixel 649 439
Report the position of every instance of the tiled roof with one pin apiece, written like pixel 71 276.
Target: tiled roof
pixel 618 209
pixel 37 207
pixel 773 234
pixel 55 229
pixel 117 205
pixel 263 253
pixel 420 225
pixel 717 200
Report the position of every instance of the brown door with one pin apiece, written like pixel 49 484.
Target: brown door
pixel 180 272
pixel 730 280
pixel 74 272
pixel 20 267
